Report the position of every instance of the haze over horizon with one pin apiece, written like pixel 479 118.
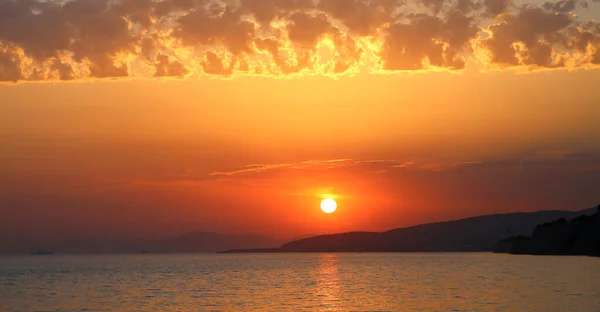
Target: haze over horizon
pixel 155 118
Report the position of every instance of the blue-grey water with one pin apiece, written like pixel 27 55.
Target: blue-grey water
pixel 300 282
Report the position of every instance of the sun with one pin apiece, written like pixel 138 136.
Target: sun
pixel 328 205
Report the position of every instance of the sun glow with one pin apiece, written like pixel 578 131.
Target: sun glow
pixel 328 205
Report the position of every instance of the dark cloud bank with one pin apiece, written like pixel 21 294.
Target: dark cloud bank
pixel 77 39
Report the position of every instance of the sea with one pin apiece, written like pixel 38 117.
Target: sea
pixel 299 282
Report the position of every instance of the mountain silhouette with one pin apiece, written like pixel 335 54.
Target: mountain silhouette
pixel 579 236
pixel 471 234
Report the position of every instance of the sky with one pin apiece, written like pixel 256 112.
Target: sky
pixel 149 118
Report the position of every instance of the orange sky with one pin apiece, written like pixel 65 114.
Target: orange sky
pixel 248 151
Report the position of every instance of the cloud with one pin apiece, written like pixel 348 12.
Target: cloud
pixel 496 7
pixel 9 67
pixel 83 39
pixel 553 159
pixel 259 168
pixel 531 37
pixel 168 68
pixel 363 18
pixel 373 166
pixel 561 6
pixel 268 10
pixel 428 41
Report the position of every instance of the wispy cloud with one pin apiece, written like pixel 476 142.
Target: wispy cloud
pixel 377 166
pixel 311 164
pixel 559 159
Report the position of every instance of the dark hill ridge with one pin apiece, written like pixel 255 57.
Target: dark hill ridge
pixel 579 236
pixel 470 234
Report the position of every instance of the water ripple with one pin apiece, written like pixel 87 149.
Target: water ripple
pixel 300 282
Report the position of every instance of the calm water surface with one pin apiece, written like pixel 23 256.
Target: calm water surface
pixel 297 282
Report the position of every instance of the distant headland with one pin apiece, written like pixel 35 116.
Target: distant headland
pixel 579 236
pixel 542 232
pixel 476 234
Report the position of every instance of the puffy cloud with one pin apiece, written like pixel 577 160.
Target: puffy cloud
pixel 496 7
pixel 426 40
pixel 266 11
pixel 9 65
pixel 586 41
pixel 80 39
pixel 361 17
pixel 537 37
pixel 200 27
pixel 168 68
pixel 306 30
pixel 536 31
pixel 215 65
pixel 561 6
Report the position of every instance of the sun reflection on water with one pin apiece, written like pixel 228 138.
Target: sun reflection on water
pixel 299 282
pixel 329 293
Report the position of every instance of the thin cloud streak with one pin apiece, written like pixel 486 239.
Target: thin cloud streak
pixel 258 168
pixel 559 159
pixel 377 165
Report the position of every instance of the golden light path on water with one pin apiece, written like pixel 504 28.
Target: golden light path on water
pixel 300 282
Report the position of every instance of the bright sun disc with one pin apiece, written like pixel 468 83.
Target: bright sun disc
pixel 328 205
